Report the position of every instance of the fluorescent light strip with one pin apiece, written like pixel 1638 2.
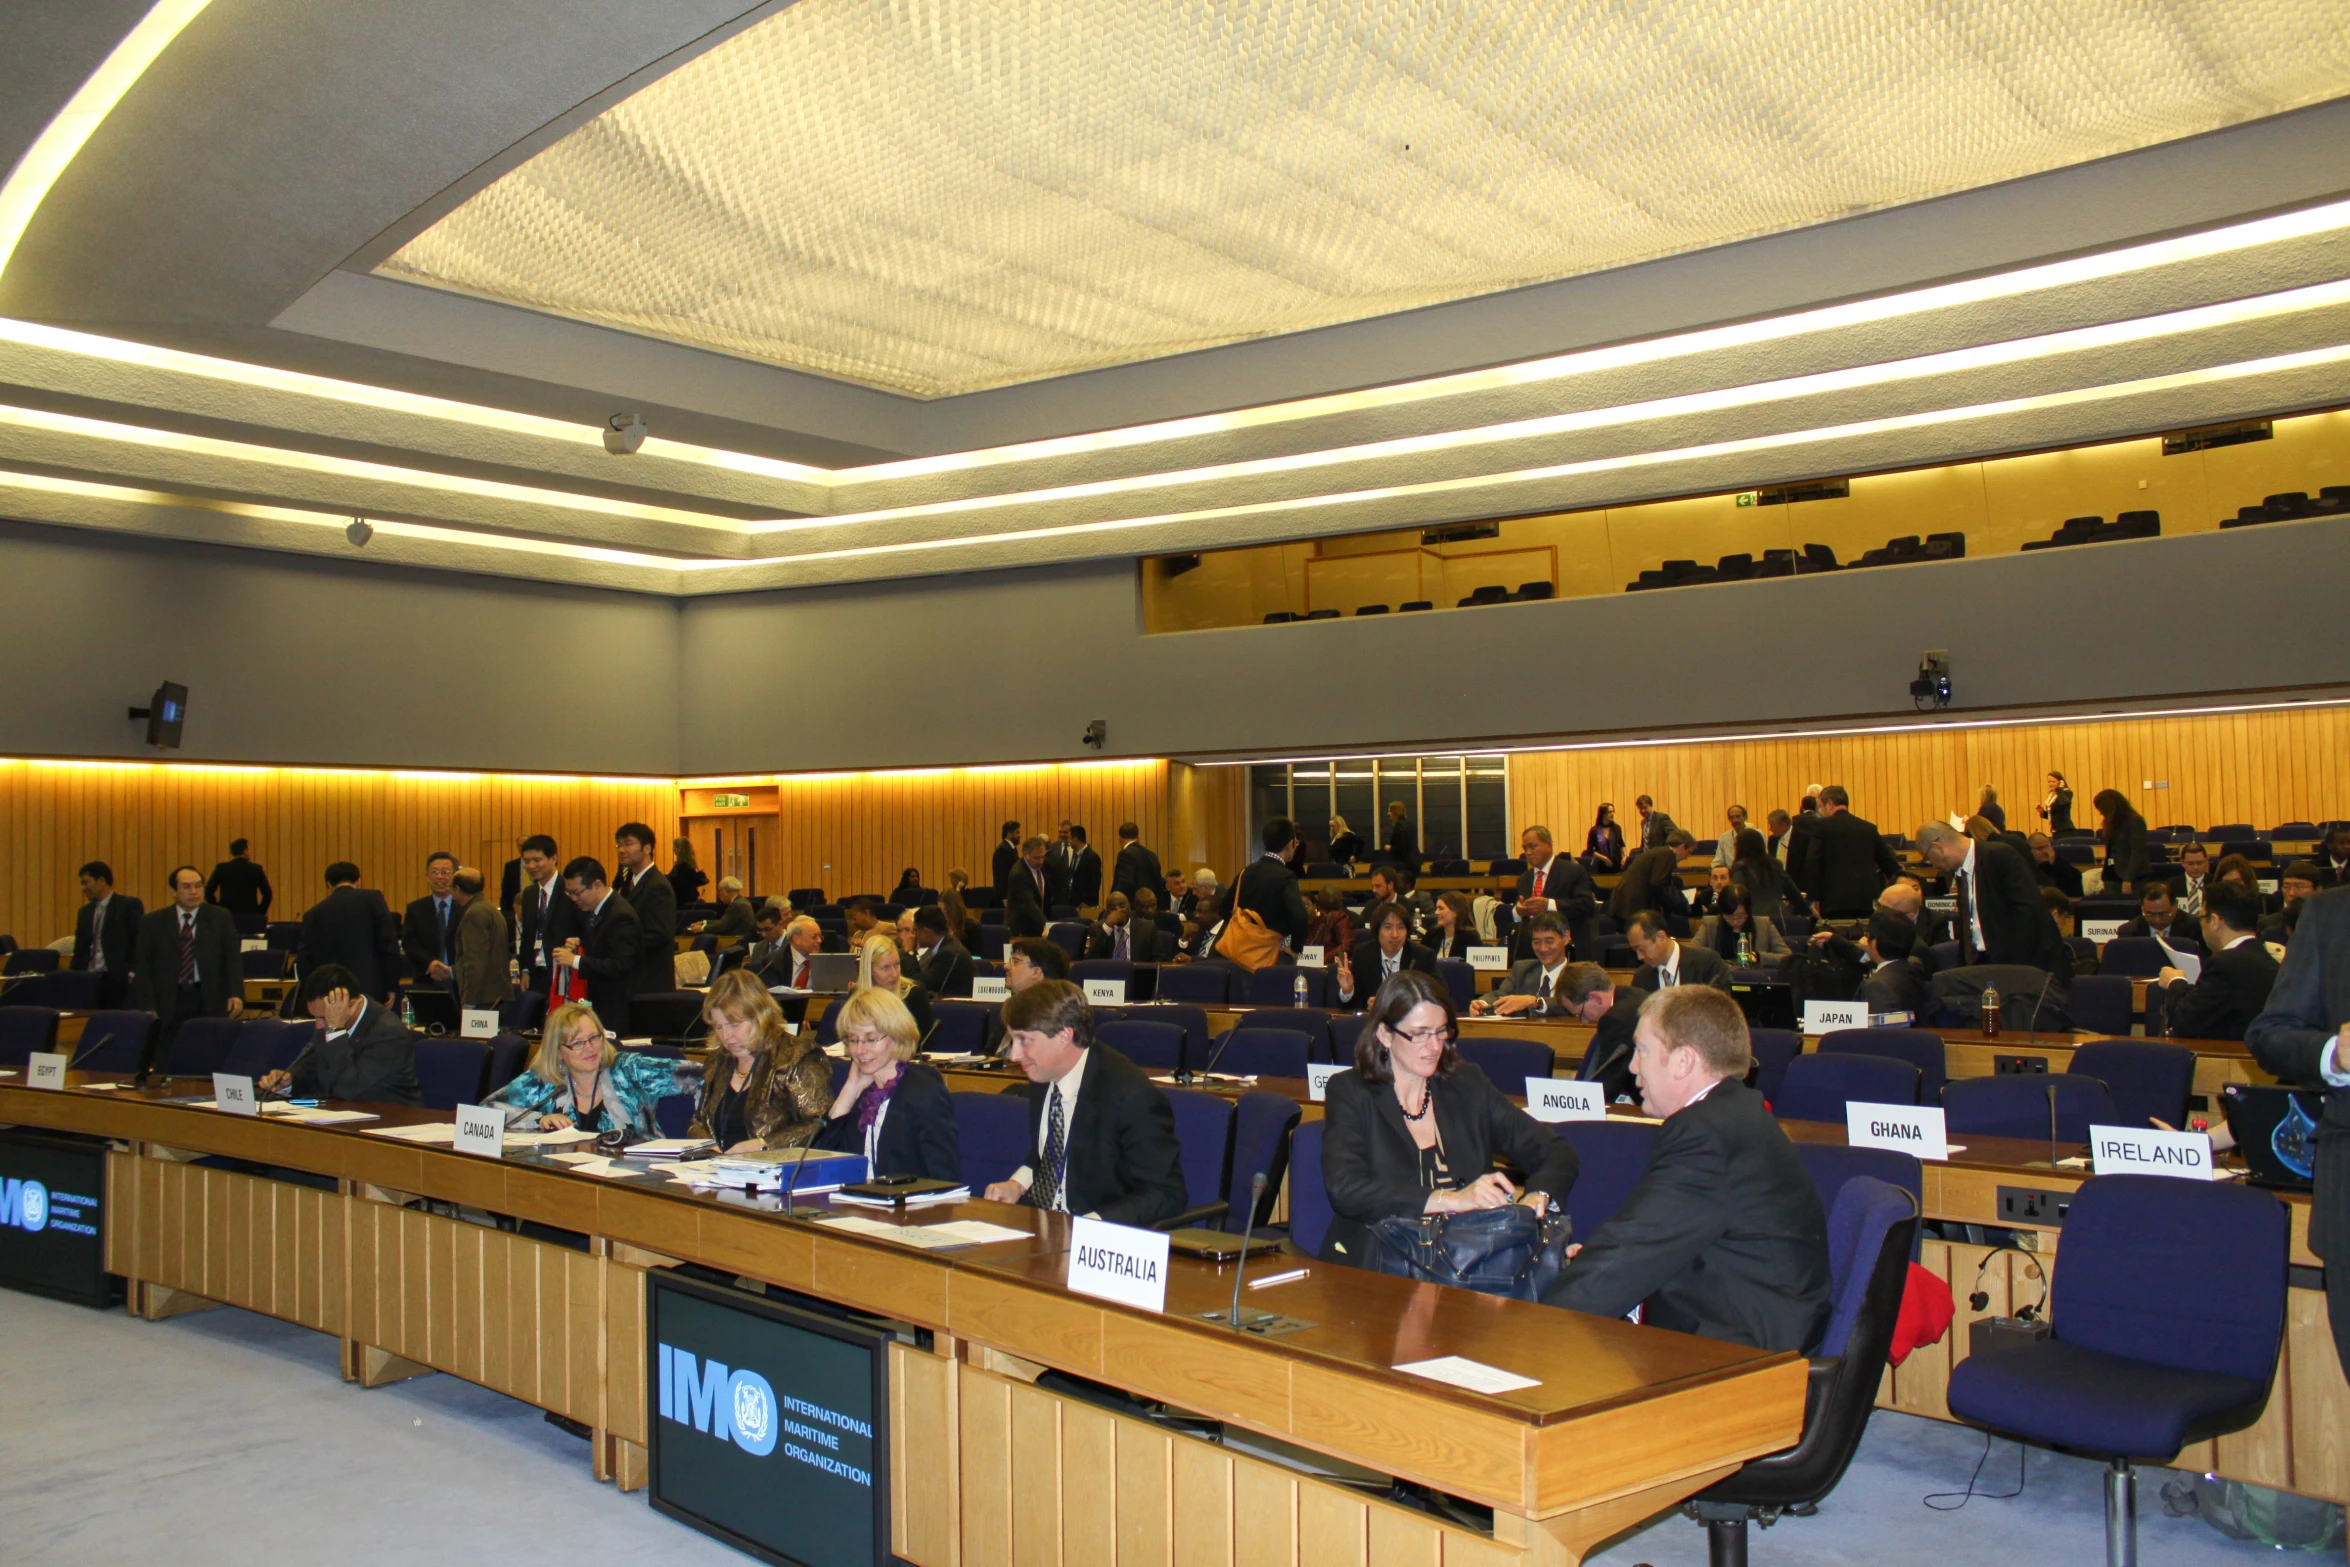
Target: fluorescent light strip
pixel 54 150
pixel 763 780
pixel 252 769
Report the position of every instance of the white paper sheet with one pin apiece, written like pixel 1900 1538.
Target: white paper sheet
pixel 1476 1376
pixel 978 1232
pixel 2186 963
pixel 427 1132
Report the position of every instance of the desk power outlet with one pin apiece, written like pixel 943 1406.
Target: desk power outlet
pixel 2034 1206
pixel 2012 1066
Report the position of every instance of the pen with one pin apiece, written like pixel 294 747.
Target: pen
pixel 1271 1279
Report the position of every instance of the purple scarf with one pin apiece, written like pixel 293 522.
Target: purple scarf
pixel 872 1101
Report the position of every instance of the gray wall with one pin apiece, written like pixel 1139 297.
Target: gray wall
pixel 295 660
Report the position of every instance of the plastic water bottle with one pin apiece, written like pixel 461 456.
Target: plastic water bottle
pixel 1297 989
pixel 1745 950
pixel 407 1010
pixel 1990 1012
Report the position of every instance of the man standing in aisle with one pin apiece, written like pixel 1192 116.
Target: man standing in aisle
pixel 106 933
pixel 1032 890
pixel 428 930
pixel 1556 885
pixel 1135 865
pixel 1007 855
pixel 242 888
pixel 1846 863
pixel 188 964
pixel 1655 825
pixel 1085 870
pixel 480 952
pixel 1726 848
pixel 544 919
pixel 650 893
pixel 352 928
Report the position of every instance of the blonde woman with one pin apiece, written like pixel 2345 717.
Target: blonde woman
pixel 1346 845
pixel 880 966
pixel 764 1088
pixel 579 1080
pixel 894 1110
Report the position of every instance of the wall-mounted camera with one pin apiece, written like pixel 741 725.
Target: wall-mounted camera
pixel 1931 689
pixel 1097 733
pixel 624 433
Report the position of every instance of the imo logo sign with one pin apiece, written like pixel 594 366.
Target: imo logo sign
pixel 733 1406
pixel 24 1205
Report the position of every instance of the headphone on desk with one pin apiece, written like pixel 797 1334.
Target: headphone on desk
pixel 1980 1298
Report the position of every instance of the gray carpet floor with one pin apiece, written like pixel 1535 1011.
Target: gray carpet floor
pixel 227 1438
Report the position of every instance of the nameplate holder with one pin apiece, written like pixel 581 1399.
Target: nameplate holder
pixel 1116 1262
pixel 234 1094
pixel 1318 1075
pixel 478 1023
pixel 1943 905
pixel 985 989
pixel 45 1069
pixel 1910 1129
pixel 1562 1099
pixel 1105 992
pixel 1489 960
pixel 2268 885
pixel 481 1130
pixel 2102 931
pixel 253 944
pixel 1312 957
pixel 1821 1017
pixel 2136 1150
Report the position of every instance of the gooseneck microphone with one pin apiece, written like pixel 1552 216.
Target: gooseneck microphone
pixel 1256 1195
pixel 2051 1126
pixel 2032 1024
pixel 797 1165
pixel 83 1054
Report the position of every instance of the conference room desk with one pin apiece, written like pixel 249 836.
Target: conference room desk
pixel 1499 886
pixel 988 1466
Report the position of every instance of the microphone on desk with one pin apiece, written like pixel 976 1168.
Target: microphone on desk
pixel 2032 1024
pixel 1256 1195
pixel 83 1054
pixel 2051 1126
pixel 792 1184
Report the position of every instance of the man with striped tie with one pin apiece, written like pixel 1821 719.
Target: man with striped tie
pixel 188 963
pixel 1103 1134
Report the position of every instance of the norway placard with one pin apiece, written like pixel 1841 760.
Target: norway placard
pixel 1117 1262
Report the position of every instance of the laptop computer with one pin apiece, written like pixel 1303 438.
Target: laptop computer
pixel 1767 1003
pixel 2275 1129
pixel 832 973
pixel 436 1011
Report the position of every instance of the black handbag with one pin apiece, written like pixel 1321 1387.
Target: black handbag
pixel 1496 1251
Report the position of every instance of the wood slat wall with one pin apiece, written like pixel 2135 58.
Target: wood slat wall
pixel 144 818
pixel 2263 768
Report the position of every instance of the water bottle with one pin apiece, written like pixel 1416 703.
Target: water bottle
pixel 1990 1012
pixel 1297 988
pixel 407 1010
pixel 1745 950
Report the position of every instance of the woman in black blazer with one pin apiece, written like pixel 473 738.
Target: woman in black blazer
pixel 1415 1129
pixel 1388 935
pixel 1454 939
pixel 894 1110
pixel 1603 846
pixel 1346 845
pixel 2057 809
pixel 2124 832
pixel 882 966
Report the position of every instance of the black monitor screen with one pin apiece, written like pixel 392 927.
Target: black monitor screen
pixel 165 713
pixel 51 1196
pixel 770 1425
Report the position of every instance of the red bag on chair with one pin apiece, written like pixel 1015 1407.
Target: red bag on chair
pixel 1926 1313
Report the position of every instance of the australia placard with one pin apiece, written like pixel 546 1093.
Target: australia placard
pixel 1117 1262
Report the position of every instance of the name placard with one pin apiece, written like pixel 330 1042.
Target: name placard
pixel 2141 1150
pixel 1912 1129
pixel 1312 957
pixel 45 1069
pixel 481 1130
pixel 2102 931
pixel 478 1023
pixel 1105 992
pixel 234 1094
pixel 1822 1017
pixel 1318 1075
pixel 253 944
pixel 1115 1262
pixel 1489 959
pixel 1943 905
pixel 1562 1099
pixel 985 989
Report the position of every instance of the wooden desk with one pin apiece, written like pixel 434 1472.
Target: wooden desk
pixel 987 1467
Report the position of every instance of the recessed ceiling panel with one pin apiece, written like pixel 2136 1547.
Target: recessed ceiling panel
pixel 940 196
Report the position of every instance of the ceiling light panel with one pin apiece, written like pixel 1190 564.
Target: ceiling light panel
pixel 939 196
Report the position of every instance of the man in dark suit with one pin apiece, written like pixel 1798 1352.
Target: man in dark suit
pixel 428 927
pixel 1007 855
pixel 510 882
pixel 188 964
pixel 1656 828
pixel 2194 877
pixel 352 927
pixel 1121 935
pixel 784 961
pixel 1085 870
pixel 1401 842
pixel 543 917
pixel 1384 949
pixel 1881 969
pixel 611 936
pixel 1268 887
pixel 2333 858
pixel 1103 1134
pixel 242 888
pixel 1550 882
pixel 2299 1038
pixel 2159 916
pixel 1531 984
pixel 1724 1236
pixel 106 933
pixel 2049 871
pixel 2000 918
pixel 945 966
pixel 360 1050
pixel 1665 963
pixel 1651 880
pixel 1588 995
pixel 2222 1001
pixel 1035 885
pixel 1782 827
pixel 1136 865
pixel 1846 863
pixel 654 897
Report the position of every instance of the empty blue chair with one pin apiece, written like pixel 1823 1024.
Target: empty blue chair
pixel 1276 986
pixel 286 935
pixel 525 1012
pixel 115 1041
pixel 2139 957
pixel 201 1045
pixel 1069 936
pixel 840 1073
pixel 450 1071
pixel 33 960
pixel 674 1114
pixel 2017 1106
pixel 1817 1087
pixel 2150 1079
pixel 1207 983
pixel 1509 1062
pixel 267 963
pixel 2168 1313
pixel 1460 979
pixel 1942 955
pixel 1344 1028
pixel 509 1059
pixel 2100 1004
pixel 1203 1128
pixel 1832 1165
pixel 1919 1048
pixel 1300 1020
pixel 1263 1052
pixel 68 990
pixel 1262 1124
pixel 959 1028
pixel 1103 968
pixel 24 1030
pixel 1193 1020
pixel 1772 1049
pixel 247 1051
pixel 1611 1157
pixel 992 1131
pixel 993 939
pixel 1309 1199
pixel 1152 1046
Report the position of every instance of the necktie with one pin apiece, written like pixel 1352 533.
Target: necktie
pixel 187 950
pixel 1664 978
pixel 1056 1157
pixel 1541 875
pixel 1039 875
pixel 1120 949
pixel 1966 920
pixel 442 904
pixel 97 938
pixel 799 974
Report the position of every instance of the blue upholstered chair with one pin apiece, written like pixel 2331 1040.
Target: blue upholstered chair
pixel 2018 1106
pixel 115 1041
pixel 267 963
pixel 1345 1028
pixel 1309 1199
pixel 1069 936
pixel 1611 1157
pixel 1262 1124
pixel 1207 983
pixel 1919 1048
pixel 674 1114
pixel 24 1030
pixel 524 1012
pixel 1154 1047
pixel 1118 969
pixel 1460 979
pixel 1203 1128
pixel 2100 1004
pixel 68 990
pixel 2139 957
pixel 1773 1048
pixel 2149 1079
pixel 1315 1025
pixel 1264 1052
pixel 450 1071
pixel 33 960
pixel 1817 1087
pixel 992 1130
pixel 201 1045
pixel 1509 1062
pixel 1275 985
pixel 960 1027
pixel 509 1059
pixel 2167 1317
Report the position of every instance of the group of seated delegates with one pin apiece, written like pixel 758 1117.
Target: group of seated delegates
pixel 2237 973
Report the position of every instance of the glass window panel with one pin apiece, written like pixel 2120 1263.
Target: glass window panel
pixel 1488 791
pixel 1309 787
pixel 1440 806
pixel 1355 801
pixel 1268 796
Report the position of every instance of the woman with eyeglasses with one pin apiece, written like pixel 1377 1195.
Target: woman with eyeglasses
pixel 1415 1129
pixel 764 1087
pixel 891 1108
pixel 578 1079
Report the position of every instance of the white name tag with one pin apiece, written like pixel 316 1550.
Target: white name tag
pixel 2268 884
pixel 985 989
pixel 1318 1075
pixel 1117 1263
pixel 2102 931
pixel 253 944
pixel 44 1069
pixel 1105 992
pixel 1560 1099
pixel 1943 905
pixel 234 1094
pixel 479 1023
pixel 1311 957
pixel 2133 1150
pixel 1490 959
pixel 1821 1017
pixel 481 1130
pixel 1915 1129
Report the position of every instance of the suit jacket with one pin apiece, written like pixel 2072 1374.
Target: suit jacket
pixel 1400 841
pixel 1568 886
pixel 1607 1059
pixel 736 918
pixel 654 897
pixel 1371 1167
pixel 509 886
pixel 1769 945
pixel 2182 935
pixel 1896 987
pixel 374 1063
pixel 947 969
pixel 1145 942
pixel 241 887
pixel 1654 829
pixel 1651 880
pixel 1007 855
pixel 612 942
pixel 2057 812
pixel 1085 877
pixel 2306 1009
pixel 1137 867
pixel 918 1134
pixel 422 940
pixel 2017 927
pixel 1699 966
pixel 1026 911
pixel 1524 979
pixel 2230 993
pixel 352 926
pixel 1269 889
pixel 2064 878
pixel 1846 865
pixel 482 956
pixel 220 966
pixel 1369 970
pixel 119 941
pixel 2126 856
pixel 770 960
pixel 542 923
pixel 1123 1160
pixel 1724 1236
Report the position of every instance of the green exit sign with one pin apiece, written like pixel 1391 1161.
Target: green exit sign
pixel 730 802
pixel 1746 498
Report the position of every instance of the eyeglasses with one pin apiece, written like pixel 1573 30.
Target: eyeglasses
pixel 865 1037
pixel 1423 1036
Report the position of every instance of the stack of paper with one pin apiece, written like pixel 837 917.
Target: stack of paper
pixel 426 1132
pixel 926 1237
pixel 924 1200
pixel 657 1149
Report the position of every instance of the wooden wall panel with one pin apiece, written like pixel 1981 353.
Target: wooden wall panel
pixel 144 818
pixel 2265 768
